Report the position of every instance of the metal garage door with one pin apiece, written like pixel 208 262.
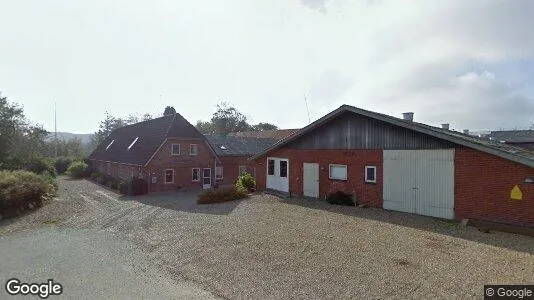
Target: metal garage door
pixel 420 182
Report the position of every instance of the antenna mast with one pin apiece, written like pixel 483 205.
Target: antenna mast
pixel 306 101
pixel 55 129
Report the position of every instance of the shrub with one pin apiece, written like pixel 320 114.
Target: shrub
pixel 246 181
pixel 23 189
pixel 95 176
pixel 39 165
pixel 340 198
pixel 133 186
pixel 77 169
pixel 220 195
pixel 62 164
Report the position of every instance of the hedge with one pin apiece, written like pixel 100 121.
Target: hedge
pixel 221 195
pixel 77 169
pixel 340 198
pixel 133 186
pixel 21 190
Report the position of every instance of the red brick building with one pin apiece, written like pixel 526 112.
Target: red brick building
pixel 170 153
pixel 402 165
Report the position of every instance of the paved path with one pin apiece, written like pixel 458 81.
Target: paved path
pixel 89 264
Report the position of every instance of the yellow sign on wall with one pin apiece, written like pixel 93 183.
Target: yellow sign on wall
pixel 516 193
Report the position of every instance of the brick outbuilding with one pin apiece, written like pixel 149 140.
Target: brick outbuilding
pixel 402 165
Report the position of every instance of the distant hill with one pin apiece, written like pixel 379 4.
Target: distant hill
pixel 67 136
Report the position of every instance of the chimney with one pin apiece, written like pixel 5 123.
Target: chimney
pixel 466 131
pixel 408 116
pixel 445 126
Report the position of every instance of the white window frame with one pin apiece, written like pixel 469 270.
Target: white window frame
pixel 191 147
pixel 244 168
pixel 179 149
pixel 338 166
pixel 366 179
pixel 274 166
pixel 198 174
pixel 165 176
pixel 219 176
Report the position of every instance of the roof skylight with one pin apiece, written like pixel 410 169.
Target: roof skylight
pixel 131 145
pixel 110 144
pixel 223 147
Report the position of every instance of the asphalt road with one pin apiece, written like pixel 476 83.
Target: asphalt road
pixel 89 264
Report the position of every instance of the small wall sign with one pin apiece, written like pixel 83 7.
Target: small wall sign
pixel 516 193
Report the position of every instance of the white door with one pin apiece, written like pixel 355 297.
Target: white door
pixel 278 174
pixel 310 175
pixel 420 182
pixel 206 178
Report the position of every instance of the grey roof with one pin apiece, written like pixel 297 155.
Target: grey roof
pixel 505 151
pixel 238 146
pixel 150 135
pixel 513 136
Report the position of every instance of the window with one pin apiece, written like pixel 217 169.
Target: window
pixel 154 178
pixel 338 172
pixel 270 167
pixel 370 174
pixel 169 176
pixel 195 174
pixel 193 149
pixel 175 149
pixel 218 172
pixel 242 170
pixel 131 145
pixel 283 168
pixel 110 144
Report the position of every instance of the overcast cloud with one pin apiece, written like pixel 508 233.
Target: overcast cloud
pixel 468 63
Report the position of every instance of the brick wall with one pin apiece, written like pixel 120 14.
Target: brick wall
pixel 181 164
pixel 482 188
pixel 356 160
pixel 231 165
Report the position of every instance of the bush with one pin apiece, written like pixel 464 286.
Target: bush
pixel 24 189
pixel 340 198
pixel 62 164
pixel 39 165
pixel 77 169
pixel 133 186
pixel 220 195
pixel 246 181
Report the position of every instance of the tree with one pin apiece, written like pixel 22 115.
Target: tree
pixel 146 117
pixel 228 119
pixel 205 127
pixel 106 126
pixel 169 110
pixel 264 126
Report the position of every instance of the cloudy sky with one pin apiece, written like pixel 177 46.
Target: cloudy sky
pixel 468 63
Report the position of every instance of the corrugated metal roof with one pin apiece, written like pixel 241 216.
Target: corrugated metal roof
pixel 516 154
pixel 513 136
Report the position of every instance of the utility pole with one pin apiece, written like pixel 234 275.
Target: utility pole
pixel 55 129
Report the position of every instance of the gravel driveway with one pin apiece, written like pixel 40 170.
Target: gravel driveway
pixel 267 247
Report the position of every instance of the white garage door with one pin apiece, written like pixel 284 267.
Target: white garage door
pixel 420 182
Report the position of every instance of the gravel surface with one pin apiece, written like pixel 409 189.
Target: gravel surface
pixel 267 247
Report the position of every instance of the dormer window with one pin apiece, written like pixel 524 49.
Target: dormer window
pixel 110 144
pixel 133 143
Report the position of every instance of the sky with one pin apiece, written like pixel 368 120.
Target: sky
pixel 467 63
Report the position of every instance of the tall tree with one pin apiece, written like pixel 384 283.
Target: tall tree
pixel 146 117
pixel 228 119
pixel 169 110
pixel 106 126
